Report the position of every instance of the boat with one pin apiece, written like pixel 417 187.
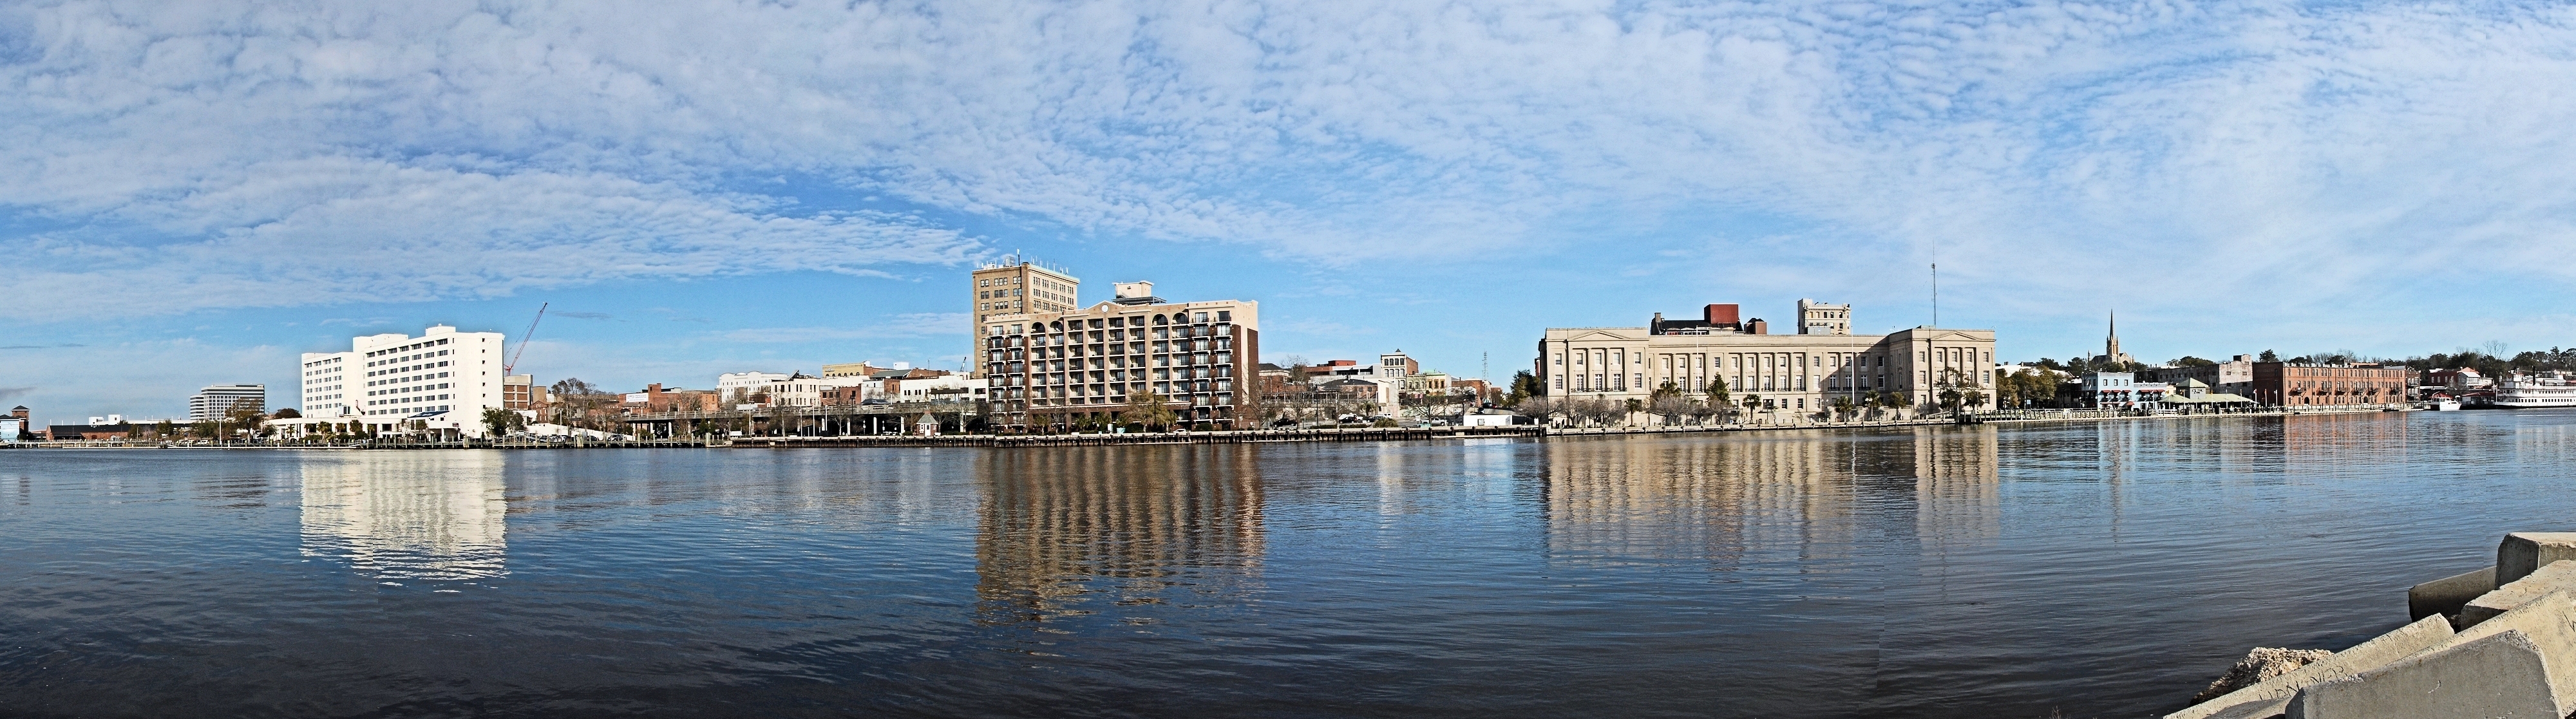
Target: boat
pixel 2535 390
pixel 2445 405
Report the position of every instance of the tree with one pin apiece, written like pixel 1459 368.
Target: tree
pixel 1717 398
pixel 1524 386
pixel 287 413
pixel 1667 403
pixel 1843 407
pixel 1630 408
pixel 573 401
pixel 1958 391
pixel 1146 410
pixel 1699 412
pixel 501 422
pixel 2190 361
pixel 2268 356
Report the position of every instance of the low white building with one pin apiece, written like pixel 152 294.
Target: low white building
pixel 782 390
pixel 389 380
pixel 943 388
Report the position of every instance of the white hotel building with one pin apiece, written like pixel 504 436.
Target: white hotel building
pixel 444 377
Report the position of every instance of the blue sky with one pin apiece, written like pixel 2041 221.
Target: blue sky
pixel 194 193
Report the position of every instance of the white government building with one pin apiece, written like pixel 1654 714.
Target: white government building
pixel 1802 371
pixel 443 378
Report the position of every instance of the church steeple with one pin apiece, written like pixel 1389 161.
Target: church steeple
pixel 2111 346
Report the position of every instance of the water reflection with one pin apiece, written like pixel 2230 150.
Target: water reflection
pixel 1062 527
pixel 1955 478
pixel 407 515
pixel 1716 499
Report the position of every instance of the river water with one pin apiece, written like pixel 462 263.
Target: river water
pixel 2088 569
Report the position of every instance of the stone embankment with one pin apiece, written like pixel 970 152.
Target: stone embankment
pixel 2493 642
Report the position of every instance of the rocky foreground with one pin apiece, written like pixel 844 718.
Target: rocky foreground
pixel 2488 643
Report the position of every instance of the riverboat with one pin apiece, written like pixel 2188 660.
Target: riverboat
pixel 2534 390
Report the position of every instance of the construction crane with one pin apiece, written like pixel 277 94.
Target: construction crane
pixel 523 339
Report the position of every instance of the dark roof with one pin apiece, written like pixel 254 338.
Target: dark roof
pixel 19 407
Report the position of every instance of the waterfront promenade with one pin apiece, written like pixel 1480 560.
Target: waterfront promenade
pixel 1330 434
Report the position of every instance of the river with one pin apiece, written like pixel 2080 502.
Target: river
pixel 2085 569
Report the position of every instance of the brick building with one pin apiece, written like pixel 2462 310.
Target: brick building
pixel 2294 384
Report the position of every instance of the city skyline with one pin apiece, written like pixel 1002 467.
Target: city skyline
pixel 204 195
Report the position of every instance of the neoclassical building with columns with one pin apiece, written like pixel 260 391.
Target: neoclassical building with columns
pixel 1802 371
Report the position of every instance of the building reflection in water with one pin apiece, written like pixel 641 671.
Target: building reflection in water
pixel 407 515
pixel 1955 472
pixel 1063 527
pixel 1720 499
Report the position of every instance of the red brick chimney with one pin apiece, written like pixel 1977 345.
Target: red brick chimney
pixel 1721 314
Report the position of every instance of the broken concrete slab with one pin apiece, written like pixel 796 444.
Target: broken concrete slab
pixel 2522 553
pixel 2448 594
pixel 2272 696
pixel 2558 575
pixel 2499 675
pixel 2260 664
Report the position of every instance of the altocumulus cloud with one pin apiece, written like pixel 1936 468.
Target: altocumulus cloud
pixel 242 154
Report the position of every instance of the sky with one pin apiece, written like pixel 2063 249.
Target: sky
pixel 196 193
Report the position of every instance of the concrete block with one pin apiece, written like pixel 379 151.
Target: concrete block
pixel 2448 594
pixel 2499 675
pixel 2522 553
pixel 2558 575
pixel 2547 623
pixel 2272 696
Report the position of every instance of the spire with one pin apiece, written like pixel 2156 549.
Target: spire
pixel 2111 344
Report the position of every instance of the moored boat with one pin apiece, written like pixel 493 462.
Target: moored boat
pixel 2534 390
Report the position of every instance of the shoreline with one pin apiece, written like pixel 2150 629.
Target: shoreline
pixel 1356 434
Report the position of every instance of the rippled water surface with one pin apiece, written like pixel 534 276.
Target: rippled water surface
pixel 2094 569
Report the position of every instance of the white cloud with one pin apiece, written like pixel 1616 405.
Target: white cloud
pixel 236 154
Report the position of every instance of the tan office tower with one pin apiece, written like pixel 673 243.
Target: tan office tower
pixel 1016 286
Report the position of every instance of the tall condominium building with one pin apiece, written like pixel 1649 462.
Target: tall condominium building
pixel 215 400
pixel 1019 286
pixel 1058 369
pixel 1801 371
pixel 389 379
